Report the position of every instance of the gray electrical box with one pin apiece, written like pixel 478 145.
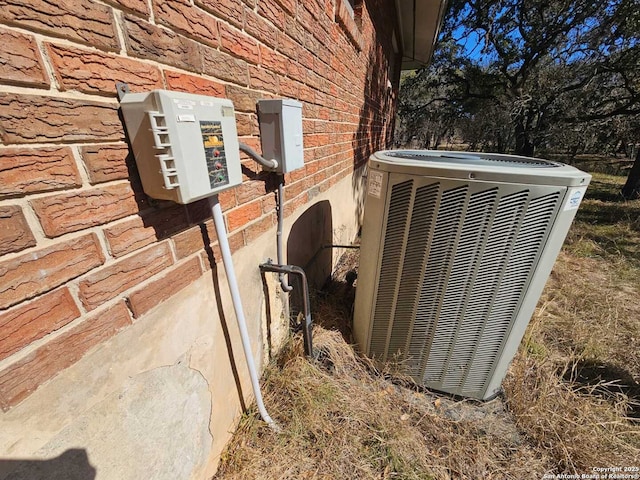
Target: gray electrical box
pixel 185 145
pixel 281 133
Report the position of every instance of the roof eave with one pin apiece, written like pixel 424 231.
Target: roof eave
pixel 419 22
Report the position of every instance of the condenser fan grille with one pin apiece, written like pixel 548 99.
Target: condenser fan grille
pixel 455 263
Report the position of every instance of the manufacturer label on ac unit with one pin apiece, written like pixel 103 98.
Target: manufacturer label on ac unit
pixel 375 183
pixel 574 197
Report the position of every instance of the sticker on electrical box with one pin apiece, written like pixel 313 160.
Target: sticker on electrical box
pixel 186 118
pixel 574 197
pixel 214 153
pixel 375 183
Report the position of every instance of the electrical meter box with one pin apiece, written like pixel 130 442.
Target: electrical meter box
pixel 281 133
pixel 185 145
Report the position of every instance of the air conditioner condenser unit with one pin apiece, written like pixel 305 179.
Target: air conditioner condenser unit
pixel 456 249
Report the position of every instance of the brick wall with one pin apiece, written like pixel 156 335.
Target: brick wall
pixel 84 252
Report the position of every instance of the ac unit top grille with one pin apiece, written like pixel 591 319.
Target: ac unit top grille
pixel 474 159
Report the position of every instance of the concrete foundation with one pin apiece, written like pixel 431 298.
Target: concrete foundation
pixel 161 398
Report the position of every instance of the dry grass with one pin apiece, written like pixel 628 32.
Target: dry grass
pixel 568 401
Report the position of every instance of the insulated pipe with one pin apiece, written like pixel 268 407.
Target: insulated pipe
pixel 306 303
pixel 223 242
pixel 280 212
pixel 270 164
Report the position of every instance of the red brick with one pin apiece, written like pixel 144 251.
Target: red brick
pixel 236 242
pixel 20 60
pixel 262 79
pixel 305 58
pixel 348 24
pixel 147 297
pixel 311 168
pixel 295 204
pixel 258 28
pixel 239 44
pixel 252 189
pixel 82 20
pixel 289 48
pixel 230 10
pixel 144 229
pixel 288 87
pixel 294 189
pixel 244 100
pixel 145 40
pixel 42 270
pixel 95 72
pixel 273 12
pixel 31 118
pixel 191 241
pixel 247 124
pixel 293 29
pixel 253 142
pixel 106 162
pixel 15 234
pixel 31 321
pixel 296 71
pixel 269 203
pixel 192 84
pixel 288 5
pixel 243 214
pixel 200 211
pixel 180 15
pixel 259 227
pixel 110 281
pixel 315 9
pixel 71 211
pixel 272 60
pixel 316 140
pixel 24 170
pixel 224 66
pixel 139 6
pixel 20 379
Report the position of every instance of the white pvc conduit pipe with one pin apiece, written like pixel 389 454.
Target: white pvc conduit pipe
pixel 223 241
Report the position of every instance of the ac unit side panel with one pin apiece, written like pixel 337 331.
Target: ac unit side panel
pixel 551 248
pixel 522 261
pixel 424 209
pixel 374 224
pixel 395 232
pixel 446 363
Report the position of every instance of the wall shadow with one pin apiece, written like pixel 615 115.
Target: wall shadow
pixel 381 85
pixel 223 319
pixel 73 464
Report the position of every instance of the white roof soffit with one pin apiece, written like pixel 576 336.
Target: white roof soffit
pixel 419 25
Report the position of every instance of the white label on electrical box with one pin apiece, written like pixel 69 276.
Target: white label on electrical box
pixel 206 103
pixel 375 183
pixel 182 101
pixel 184 106
pixel 185 117
pixel 574 197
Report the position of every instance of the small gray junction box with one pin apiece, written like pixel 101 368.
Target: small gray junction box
pixel 185 145
pixel 281 133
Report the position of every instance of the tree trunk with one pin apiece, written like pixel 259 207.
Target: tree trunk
pixel 631 189
pixel 524 146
